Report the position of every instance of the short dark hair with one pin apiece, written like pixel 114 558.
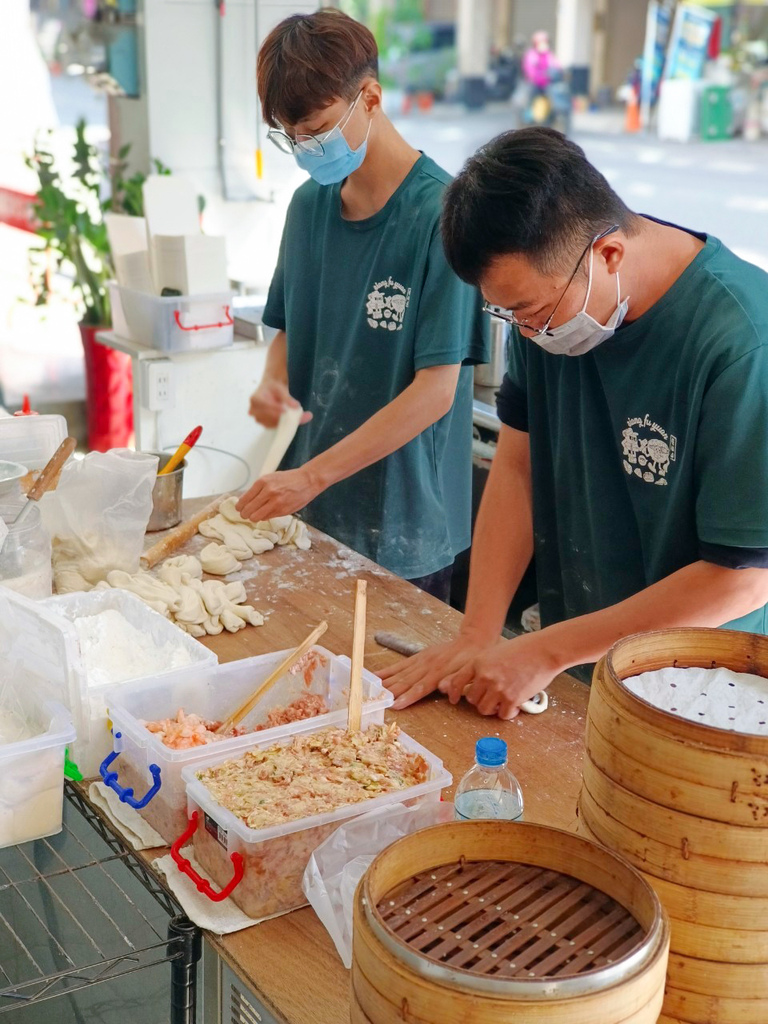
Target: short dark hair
pixel 310 60
pixel 531 192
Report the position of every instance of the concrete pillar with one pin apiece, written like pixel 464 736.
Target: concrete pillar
pixel 575 22
pixel 475 33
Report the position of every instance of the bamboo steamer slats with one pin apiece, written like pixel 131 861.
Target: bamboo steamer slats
pixel 688 805
pixel 504 873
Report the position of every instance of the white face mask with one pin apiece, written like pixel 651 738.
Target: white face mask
pixel 582 332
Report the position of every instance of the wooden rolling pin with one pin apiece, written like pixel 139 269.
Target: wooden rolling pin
pixel 179 535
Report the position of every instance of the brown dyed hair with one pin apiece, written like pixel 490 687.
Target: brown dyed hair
pixel 310 60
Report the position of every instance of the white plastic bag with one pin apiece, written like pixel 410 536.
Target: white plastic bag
pixel 98 515
pixel 337 865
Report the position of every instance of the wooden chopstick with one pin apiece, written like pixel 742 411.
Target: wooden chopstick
pixel 355 711
pixel 285 666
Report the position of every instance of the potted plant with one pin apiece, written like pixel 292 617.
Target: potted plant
pixel 70 210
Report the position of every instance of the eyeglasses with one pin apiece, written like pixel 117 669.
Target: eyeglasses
pixel 312 145
pixel 509 316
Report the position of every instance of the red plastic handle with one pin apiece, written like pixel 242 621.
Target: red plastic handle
pixel 203 327
pixel 201 884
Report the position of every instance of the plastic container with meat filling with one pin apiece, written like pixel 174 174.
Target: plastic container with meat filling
pixel 146 774
pixel 262 869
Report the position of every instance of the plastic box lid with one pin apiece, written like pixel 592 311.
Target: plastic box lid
pixel 31 440
pixel 40 638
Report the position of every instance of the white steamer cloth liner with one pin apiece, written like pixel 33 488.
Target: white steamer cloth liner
pixel 719 697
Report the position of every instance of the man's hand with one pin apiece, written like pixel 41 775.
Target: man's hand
pixel 497 681
pixel 422 674
pixel 269 401
pixel 279 494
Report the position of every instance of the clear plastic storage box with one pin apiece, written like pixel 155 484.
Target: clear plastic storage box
pixel 40 640
pixel 31 440
pixel 32 770
pixel 183 323
pixel 262 869
pixel 160 796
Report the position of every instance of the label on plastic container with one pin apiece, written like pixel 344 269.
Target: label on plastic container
pixel 215 829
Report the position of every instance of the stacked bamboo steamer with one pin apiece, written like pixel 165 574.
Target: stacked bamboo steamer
pixel 490 922
pixel 687 803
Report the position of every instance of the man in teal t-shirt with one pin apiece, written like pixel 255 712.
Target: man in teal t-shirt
pixel 377 335
pixel 633 456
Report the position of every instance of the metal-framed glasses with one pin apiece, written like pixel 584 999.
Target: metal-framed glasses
pixel 312 145
pixel 510 317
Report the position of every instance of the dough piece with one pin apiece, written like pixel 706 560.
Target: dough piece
pixel 156 594
pixel 281 441
pixel 538 703
pixel 231 621
pixel 302 539
pixel 173 570
pixel 191 610
pixel 249 613
pixel 229 511
pixel 219 528
pixel 218 560
pixel 194 629
pixel 235 592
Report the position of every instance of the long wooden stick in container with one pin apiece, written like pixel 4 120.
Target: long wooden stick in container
pixel 261 690
pixel 179 535
pixel 358 653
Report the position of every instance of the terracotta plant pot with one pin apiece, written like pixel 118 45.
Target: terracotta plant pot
pixel 109 393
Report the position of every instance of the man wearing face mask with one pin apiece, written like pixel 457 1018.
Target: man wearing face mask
pixel 376 333
pixel 633 453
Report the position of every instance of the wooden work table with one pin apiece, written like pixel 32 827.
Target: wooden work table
pixel 290 962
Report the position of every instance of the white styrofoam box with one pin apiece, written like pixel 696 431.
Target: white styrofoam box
pixel 31 440
pixel 40 638
pixel 192 264
pixel 214 694
pixel 32 770
pixel 274 858
pixel 186 323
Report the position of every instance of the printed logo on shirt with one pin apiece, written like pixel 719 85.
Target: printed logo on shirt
pixel 648 449
pixel 387 304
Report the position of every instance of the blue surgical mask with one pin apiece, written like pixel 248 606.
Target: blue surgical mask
pixel 338 160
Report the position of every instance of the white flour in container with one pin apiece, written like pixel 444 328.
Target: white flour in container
pixel 113 650
pixel 735 701
pixel 37 584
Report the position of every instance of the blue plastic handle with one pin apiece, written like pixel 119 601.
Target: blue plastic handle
pixel 126 795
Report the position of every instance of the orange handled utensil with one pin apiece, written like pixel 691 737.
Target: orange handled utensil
pixel 189 442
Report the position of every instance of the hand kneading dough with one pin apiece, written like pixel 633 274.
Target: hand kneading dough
pixel 218 560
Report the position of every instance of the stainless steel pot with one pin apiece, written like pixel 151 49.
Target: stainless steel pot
pixel 166 496
pixel 490 374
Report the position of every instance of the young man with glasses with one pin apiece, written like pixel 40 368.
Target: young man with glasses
pixel 377 335
pixel 633 454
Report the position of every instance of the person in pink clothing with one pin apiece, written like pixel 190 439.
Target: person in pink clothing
pixel 539 62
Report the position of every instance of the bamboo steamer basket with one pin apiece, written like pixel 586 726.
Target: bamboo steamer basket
pixel 489 922
pixel 687 804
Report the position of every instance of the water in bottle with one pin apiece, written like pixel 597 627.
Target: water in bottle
pixel 489 789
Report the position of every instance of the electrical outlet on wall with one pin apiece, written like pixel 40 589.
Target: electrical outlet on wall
pixel 158 385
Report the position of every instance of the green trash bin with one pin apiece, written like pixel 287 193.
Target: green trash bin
pixel 716 113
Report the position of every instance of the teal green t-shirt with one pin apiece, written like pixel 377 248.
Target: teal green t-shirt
pixel 651 451
pixel 365 305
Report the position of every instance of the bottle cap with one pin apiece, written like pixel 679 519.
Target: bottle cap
pixel 26 409
pixel 491 751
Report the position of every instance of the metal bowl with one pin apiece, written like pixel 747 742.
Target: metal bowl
pixel 166 495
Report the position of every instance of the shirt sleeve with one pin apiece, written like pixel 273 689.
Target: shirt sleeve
pixel 450 326
pixel 512 399
pixel 274 311
pixel 731 457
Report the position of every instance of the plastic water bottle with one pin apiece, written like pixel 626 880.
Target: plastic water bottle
pixel 489 789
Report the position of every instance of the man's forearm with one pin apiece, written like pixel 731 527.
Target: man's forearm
pixel 421 404
pixel 502 544
pixel 276 368
pixel 701 594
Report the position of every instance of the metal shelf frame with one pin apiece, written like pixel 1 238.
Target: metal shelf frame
pixel 69 921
